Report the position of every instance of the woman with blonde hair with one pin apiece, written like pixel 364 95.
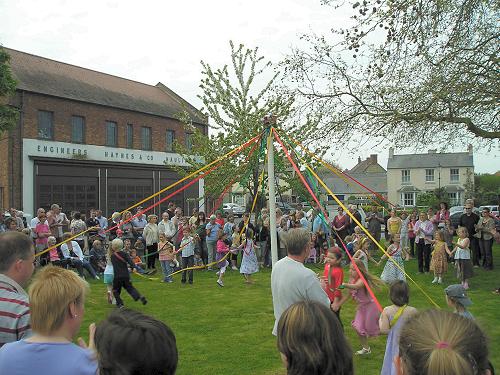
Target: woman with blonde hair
pixel 311 341
pixel 57 299
pixel 440 342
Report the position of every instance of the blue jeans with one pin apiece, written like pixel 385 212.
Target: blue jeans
pixel 167 270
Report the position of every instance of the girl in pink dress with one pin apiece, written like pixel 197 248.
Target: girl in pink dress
pixel 365 322
pixel 222 250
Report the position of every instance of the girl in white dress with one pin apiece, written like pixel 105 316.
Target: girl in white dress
pixel 391 271
pixel 249 263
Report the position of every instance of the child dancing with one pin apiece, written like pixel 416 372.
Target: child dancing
pixel 391 270
pixel 365 322
pixel 121 260
pixel 222 250
pixel 249 264
pixel 391 321
pixel 333 277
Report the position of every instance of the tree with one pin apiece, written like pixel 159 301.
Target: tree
pixel 237 98
pixel 8 114
pixel 487 189
pixel 432 198
pixel 407 71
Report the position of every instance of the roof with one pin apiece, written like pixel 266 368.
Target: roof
pixel 368 165
pixel 431 160
pixel 49 77
pixel 375 181
pixel 408 189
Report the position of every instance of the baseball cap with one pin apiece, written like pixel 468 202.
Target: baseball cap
pixel 457 292
pixel 213 217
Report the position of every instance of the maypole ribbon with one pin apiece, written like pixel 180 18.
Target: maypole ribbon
pixel 230 153
pixel 287 154
pixel 368 234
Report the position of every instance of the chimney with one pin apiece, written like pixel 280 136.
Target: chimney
pixel 373 158
pixel 359 159
pixel 432 151
pixel 391 152
pixel 469 149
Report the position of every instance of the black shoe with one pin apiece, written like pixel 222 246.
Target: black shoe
pixel 143 300
pixel 190 281
pixel 120 306
pixel 183 281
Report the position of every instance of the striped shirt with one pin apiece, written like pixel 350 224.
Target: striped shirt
pixel 14 311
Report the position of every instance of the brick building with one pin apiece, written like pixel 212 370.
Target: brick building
pixel 89 139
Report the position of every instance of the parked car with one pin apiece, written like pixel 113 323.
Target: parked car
pixel 456 209
pixel 233 208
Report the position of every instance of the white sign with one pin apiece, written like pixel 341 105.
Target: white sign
pixel 62 150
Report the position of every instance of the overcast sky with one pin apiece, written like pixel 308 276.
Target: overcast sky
pixel 151 41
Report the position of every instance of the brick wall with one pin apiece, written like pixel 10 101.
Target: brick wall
pixel 4 171
pixel 95 122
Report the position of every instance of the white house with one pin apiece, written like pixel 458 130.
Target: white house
pixel 412 174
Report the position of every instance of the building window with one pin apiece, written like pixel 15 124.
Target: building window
pixel 130 136
pixel 170 141
pixel 454 198
pixel 405 176
pixel 408 199
pixel 189 141
pixel 111 134
pixel 454 175
pixel 45 125
pixel 429 175
pixel 146 138
pixel 77 129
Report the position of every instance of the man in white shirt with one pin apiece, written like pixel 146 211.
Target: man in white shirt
pixel 291 281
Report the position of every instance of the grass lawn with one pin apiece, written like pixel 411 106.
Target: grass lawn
pixel 228 330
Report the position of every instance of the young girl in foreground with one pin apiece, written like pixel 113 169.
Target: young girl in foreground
pixel 440 342
pixel 333 277
pixel 394 269
pixel 392 320
pixel 462 257
pixel 365 322
pixel 222 250
pixel 439 260
pixel 249 264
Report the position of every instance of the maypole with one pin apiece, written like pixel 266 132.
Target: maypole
pixel 271 120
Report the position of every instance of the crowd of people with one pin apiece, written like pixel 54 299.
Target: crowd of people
pixel 35 321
